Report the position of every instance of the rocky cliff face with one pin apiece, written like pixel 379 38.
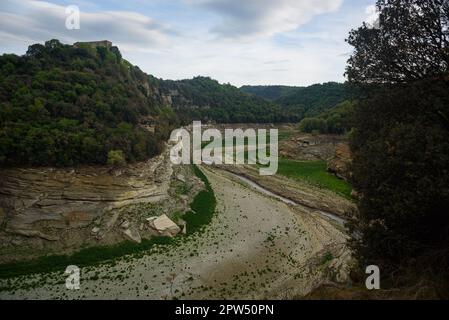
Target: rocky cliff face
pixel 340 164
pixel 38 202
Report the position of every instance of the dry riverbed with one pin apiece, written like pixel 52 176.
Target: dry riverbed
pixel 256 247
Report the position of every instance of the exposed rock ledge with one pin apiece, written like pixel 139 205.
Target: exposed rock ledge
pixel 340 164
pixel 32 200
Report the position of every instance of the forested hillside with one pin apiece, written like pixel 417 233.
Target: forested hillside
pixel 64 105
pixel 206 99
pixel 271 93
pixel 302 102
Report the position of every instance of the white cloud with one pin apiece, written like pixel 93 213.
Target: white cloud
pixel 253 18
pixel 258 62
pixel 315 53
pixel 372 16
pixel 37 21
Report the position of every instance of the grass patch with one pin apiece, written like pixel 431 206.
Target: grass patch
pixel 245 144
pixel 82 258
pixel 328 257
pixel 203 205
pixel 314 173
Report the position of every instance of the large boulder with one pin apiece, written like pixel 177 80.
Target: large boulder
pixel 133 235
pixel 164 226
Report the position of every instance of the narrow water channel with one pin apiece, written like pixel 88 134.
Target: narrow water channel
pixel 340 221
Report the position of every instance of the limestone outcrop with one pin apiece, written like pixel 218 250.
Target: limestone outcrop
pixel 340 165
pixel 32 201
pixel 164 226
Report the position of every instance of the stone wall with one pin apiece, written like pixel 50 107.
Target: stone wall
pixel 102 43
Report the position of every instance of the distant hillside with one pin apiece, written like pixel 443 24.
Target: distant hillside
pixel 206 99
pixel 303 101
pixel 271 93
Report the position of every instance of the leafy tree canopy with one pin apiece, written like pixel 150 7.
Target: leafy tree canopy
pixel 401 139
pixel 409 42
pixel 64 105
pixel 300 102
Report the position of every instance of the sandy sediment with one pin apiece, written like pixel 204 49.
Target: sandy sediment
pixel 256 247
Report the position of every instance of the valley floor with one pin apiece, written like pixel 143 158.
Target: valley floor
pixel 256 247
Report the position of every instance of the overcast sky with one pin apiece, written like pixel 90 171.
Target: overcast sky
pixel 257 42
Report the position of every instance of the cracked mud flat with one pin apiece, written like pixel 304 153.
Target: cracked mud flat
pixel 256 247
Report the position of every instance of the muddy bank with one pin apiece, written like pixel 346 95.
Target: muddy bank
pixel 340 221
pixel 301 193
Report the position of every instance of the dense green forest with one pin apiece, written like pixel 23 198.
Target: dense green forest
pixel 271 93
pixel 337 120
pixel 64 105
pixel 301 102
pixel 400 144
pixel 206 99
